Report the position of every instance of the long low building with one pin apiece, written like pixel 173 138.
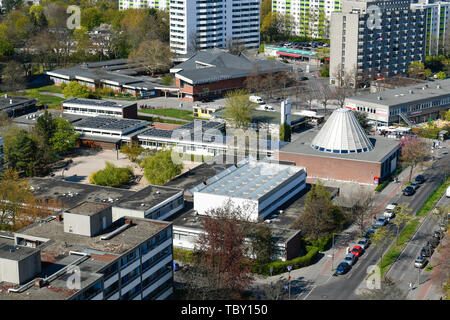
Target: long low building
pixel 212 73
pixel 93 107
pixel 16 106
pixel 415 103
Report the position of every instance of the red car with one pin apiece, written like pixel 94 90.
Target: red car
pixel 357 251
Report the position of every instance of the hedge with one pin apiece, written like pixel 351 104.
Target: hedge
pixel 183 255
pixel 281 266
pixel 321 243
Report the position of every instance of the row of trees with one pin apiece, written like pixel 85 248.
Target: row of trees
pixel 32 152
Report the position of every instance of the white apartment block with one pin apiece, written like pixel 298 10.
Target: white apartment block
pixel 310 17
pixel 142 4
pixel 205 24
pixel 437 23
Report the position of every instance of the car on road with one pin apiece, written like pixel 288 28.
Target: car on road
pixel 364 243
pixel 303 78
pixel 443 226
pixel 408 191
pixel 342 268
pixel 420 179
pixel 426 251
pixel 437 234
pixel 389 212
pixel 381 221
pixel 350 258
pixel 357 251
pixel 369 233
pixel 269 107
pixel 415 185
pixel 420 262
pixel 433 241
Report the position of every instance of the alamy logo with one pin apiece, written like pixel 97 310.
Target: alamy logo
pixel 374 18
pixel 373 281
pixel 74 280
pixel 74 21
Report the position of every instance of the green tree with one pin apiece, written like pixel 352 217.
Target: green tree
pixel 21 152
pixel 132 151
pixel 362 120
pixel 262 242
pixel 441 75
pixel 167 80
pixel 91 18
pixel 402 216
pixel 45 126
pixel 64 136
pixel 75 89
pixel 381 239
pixel 285 132
pixel 111 176
pixel 159 169
pixel 37 16
pixel 414 151
pixel 6 46
pixel 238 108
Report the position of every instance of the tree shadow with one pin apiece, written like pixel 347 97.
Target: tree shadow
pixel 75 178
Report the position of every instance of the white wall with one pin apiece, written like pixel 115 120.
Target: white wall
pixel 207 201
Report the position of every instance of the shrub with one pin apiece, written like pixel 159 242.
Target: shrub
pixel 186 256
pixel 167 80
pixel 321 243
pixel 111 176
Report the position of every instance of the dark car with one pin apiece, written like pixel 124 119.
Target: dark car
pixel 176 266
pixel 208 99
pixel 437 234
pixel 415 185
pixel 433 241
pixel 369 233
pixel 426 251
pixel 420 179
pixel 342 268
pixel 409 191
pixel 303 78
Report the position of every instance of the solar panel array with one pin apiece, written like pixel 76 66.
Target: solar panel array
pixel 156 133
pixel 251 180
pixel 108 123
pixel 102 103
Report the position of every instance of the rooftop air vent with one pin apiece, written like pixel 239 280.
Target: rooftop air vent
pixel 438 87
pixel 379 98
pixel 411 92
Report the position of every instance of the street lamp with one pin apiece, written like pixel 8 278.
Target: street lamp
pixel 289 268
pixel 65 169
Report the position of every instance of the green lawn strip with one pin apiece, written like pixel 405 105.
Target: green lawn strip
pixel 50 88
pixel 396 248
pixel 433 198
pixel 170 112
pixel 156 119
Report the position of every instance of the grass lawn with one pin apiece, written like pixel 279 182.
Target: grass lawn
pixel 50 88
pixel 170 112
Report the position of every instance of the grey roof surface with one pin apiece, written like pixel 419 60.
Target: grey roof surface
pixel 302 145
pixel 74 193
pixel 102 252
pixel 224 66
pixel 99 103
pixel 11 252
pixel 150 196
pixel 88 208
pixel 16 100
pixel 402 95
pixel 342 133
pixel 248 179
pixel 110 123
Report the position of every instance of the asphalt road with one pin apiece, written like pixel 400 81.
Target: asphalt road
pixel 343 287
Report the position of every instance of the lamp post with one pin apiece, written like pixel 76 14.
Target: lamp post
pixel 65 169
pixel 289 280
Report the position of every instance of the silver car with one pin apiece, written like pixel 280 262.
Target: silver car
pixel 364 243
pixel 350 258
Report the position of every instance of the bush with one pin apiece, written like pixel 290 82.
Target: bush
pixel 111 176
pixel 321 243
pixel 167 80
pixel 183 255
pixel 281 266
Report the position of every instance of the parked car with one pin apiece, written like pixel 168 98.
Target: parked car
pixel 390 210
pixel 426 251
pixel 256 99
pixel 342 268
pixel 415 185
pixel 350 258
pixel 268 107
pixel 176 266
pixel 433 241
pixel 364 243
pixel 420 262
pixel 357 251
pixel 408 191
pixel 303 78
pixel 369 233
pixel 437 234
pixel 443 226
pixel 381 221
pixel 420 179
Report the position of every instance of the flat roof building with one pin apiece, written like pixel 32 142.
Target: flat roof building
pixel 16 106
pixel 84 256
pixel 412 104
pixel 93 107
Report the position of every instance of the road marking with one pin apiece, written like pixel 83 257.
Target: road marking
pixel 309 292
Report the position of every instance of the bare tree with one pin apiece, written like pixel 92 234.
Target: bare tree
pixel 361 203
pixel 324 94
pixel 193 42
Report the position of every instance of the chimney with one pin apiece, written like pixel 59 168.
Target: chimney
pixel 410 91
pixel 59 217
pixel 379 98
pixel 128 221
pixel 10 101
pixel 39 282
pixel 438 87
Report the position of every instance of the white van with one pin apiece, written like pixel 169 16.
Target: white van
pixel 256 99
pixel 447 193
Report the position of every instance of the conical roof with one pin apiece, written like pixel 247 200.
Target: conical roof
pixel 342 133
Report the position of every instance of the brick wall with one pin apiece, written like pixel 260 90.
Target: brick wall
pixel 332 168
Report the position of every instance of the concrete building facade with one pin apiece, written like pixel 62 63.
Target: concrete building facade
pixel 143 4
pixel 203 24
pixel 375 39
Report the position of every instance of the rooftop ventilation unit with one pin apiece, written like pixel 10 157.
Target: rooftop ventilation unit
pixel 379 98
pixel 438 87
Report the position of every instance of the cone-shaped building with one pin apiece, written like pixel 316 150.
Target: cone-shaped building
pixel 342 133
